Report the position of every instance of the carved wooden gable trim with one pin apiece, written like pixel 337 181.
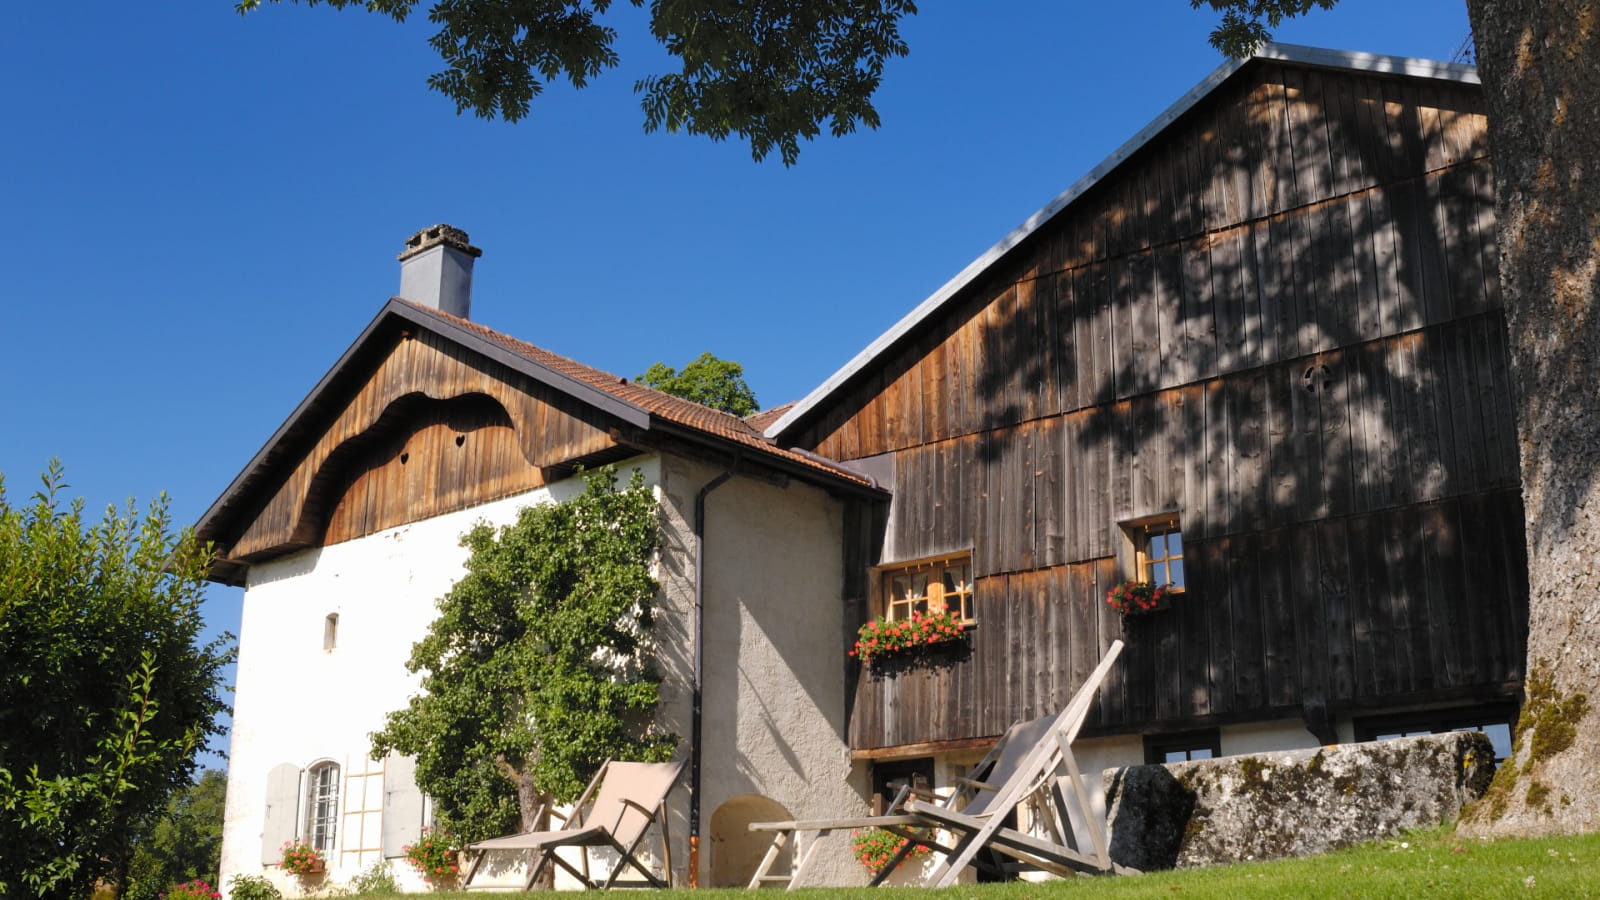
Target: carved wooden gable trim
pixel 435 428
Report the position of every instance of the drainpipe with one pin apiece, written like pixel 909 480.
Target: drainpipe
pixel 699 665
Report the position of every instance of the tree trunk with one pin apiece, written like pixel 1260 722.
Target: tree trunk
pixel 534 807
pixel 1540 63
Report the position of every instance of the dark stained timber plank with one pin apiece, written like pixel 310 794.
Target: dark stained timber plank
pixel 1444 583
pixel 1144 337
pixel 1250 464
pixel 1227 303
pixel 1049 492
pixel 1416 654
pixel 1303 582
pixel 1248 652
pixel 1175 366
pixel 1199 313
pixel 1193 612
pixel 1275 187
pixel 1335 585
pixel 1220 617
pixel 1499 423
pixel 1283 475
pixel 1279 604
pixel 1372 616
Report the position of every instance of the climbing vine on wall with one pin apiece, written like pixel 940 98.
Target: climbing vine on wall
pixel 538 666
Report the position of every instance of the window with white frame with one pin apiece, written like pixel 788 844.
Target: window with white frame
pixel 929 586
pixel 322 806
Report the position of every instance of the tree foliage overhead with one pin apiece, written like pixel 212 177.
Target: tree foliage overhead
pixel 770 71
pixel 106 691
pixel 1242 31
pixel 536 669
pixel 708 381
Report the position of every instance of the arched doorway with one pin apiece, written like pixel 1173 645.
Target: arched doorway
pixel 736 851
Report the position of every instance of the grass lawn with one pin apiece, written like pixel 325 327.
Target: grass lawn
pixel 1418 865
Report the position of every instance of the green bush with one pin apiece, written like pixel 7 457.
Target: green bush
pixel 376 881
pixel 252 887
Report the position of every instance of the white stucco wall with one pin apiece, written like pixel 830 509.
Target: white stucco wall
pixel 774 668
pixel 774 703
pixel 295 703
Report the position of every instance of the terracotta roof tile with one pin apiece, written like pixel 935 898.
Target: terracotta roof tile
pixel 664 406
pixel 760 420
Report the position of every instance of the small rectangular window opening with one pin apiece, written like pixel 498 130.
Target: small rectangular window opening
pixel 929 587
pixel 1158 550
pixel 1493 720
pixel 1182 747
pixel 330 631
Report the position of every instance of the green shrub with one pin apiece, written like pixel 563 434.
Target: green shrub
pixel 252 887
pixel 377 880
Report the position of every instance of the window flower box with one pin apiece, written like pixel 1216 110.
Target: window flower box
pixel 916 634
pixel 303 859
pixel 1139 598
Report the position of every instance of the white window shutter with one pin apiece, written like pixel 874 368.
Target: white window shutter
pixel 402 805
pixel 283 803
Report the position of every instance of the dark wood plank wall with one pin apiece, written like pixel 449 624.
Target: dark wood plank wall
pixel 391 455
pixel 1281 319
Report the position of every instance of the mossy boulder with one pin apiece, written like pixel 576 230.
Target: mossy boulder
pixel 1293 803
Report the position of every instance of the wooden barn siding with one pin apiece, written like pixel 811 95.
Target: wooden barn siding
pixel 1283 320
pixel 1281 220
pixel 1401 420
pixel 1416 601
pixel 422 396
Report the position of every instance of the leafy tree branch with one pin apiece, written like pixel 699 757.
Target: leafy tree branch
pixel 772 72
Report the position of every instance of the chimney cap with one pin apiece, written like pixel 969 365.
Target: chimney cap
pixel 441 234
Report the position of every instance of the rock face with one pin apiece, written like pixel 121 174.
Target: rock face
pixel 1294 803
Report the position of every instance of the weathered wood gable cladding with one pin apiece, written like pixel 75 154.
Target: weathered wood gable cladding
pixel 1279 318
pixel 435 428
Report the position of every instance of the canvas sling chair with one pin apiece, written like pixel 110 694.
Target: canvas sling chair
pixel 1011 770
pixel 1049 775
pixel 627 798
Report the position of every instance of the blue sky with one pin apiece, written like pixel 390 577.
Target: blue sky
pixel 202 210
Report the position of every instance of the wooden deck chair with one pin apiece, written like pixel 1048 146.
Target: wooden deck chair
pixel 1010 766
pixel 1046 773
pixel 991 771
pixel 631 796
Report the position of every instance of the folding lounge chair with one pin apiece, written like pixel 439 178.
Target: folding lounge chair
pixel 980 825
pixel 1017 768
pixel 631 796
pixel 994 769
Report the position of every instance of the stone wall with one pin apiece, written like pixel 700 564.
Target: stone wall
pixel 1292 803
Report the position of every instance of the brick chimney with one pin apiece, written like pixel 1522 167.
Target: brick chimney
pixel 436 270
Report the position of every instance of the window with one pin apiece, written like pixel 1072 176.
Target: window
pixel 1494 720
pixel 322 806
pixel 889 777
pixel 1157 545
pixel 1189 745
pixel 330 631
pixel 931 586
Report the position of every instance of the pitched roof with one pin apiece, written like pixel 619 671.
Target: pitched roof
pixel 647 411
pixel 664 407
pixel 1293 53
pixel 760 420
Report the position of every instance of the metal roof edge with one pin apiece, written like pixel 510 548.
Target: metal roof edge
pixel 1343 59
